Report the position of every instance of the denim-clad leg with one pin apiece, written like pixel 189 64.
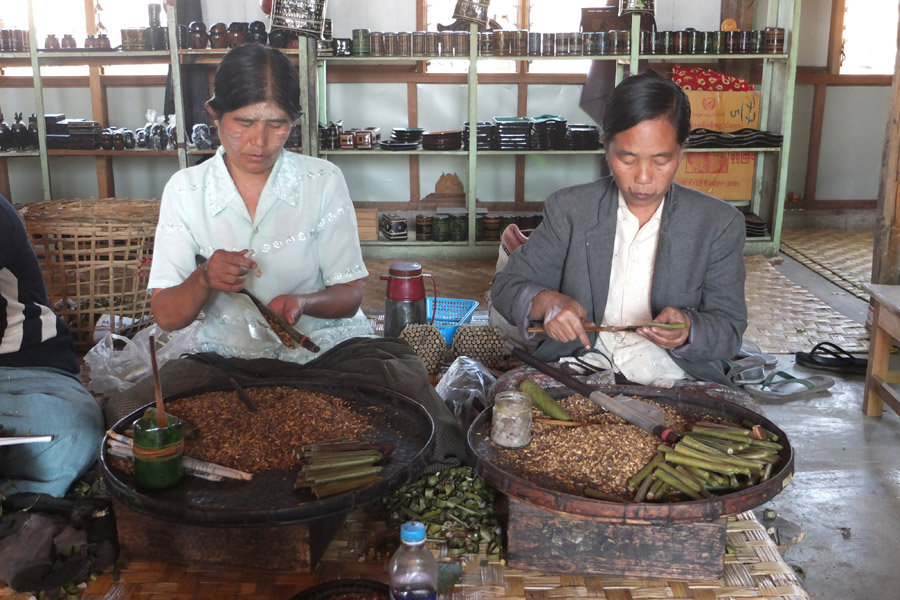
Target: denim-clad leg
pixel 45 401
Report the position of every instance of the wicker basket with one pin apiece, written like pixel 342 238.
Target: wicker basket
pixel 306 17
pixel 472 11
pixel 95 256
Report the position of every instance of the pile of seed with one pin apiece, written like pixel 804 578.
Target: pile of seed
pixel 603 455
pixel 233 436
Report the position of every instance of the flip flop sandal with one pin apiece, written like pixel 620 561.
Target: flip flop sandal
pixel 750 369
pixel 789 387
pixel 751 348
pixel 831 357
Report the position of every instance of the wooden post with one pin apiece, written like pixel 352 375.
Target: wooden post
pixel 886 255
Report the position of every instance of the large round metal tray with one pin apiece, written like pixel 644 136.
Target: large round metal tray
pixel 270 496
pixel 690 399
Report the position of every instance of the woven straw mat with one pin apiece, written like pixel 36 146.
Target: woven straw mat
pixel 785 318
pixel 843 257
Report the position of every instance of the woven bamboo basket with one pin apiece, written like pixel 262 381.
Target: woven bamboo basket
pixel 95 256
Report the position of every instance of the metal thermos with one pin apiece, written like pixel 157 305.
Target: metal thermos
pixel 404 299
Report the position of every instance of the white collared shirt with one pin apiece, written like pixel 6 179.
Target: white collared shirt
pixel 628 302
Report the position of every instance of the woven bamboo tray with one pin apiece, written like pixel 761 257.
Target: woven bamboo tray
pixel 95 256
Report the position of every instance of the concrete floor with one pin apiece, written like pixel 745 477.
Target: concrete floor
pixel 846 475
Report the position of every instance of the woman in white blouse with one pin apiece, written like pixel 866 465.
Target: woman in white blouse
pixel 277 223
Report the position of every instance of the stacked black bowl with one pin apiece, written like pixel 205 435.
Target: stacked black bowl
pixel 403 138
pixel 548 132
pixel 583 137
pixel 484 135
pixel 512 133
pixel 755 225
pixel 442 140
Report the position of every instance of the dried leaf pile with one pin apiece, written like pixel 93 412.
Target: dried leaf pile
pixel 232 436
pixel 602 455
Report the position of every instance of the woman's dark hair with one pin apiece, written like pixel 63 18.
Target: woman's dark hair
pixel 253 73
pixel 645 97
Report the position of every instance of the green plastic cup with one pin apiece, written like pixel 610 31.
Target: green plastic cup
pixel 158 453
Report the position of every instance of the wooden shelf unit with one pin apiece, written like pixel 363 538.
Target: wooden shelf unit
pixel 770 176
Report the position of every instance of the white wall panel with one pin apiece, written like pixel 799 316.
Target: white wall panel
pixel 376 178
pixel 368 105
pixel 852 142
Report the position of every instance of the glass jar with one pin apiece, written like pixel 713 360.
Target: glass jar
pixel 376 43
pixel 424 225
pixel 418 43
pixel 775 40
pixel 461 44
pixel 404 43
pixel 459 228
pixel 511 420
pixel 432 43
pixel 440 228
pixel 548 44
pixel 391 45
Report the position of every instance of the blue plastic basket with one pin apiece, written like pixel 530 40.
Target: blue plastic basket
pixel 450 314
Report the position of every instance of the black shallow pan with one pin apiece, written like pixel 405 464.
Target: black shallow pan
pixel 270 496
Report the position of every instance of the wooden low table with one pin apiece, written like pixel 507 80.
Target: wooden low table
pixel 885 329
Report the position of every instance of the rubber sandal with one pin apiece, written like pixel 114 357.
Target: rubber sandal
pixel 789 387
pixel 750 369
pixel 831 357
pixel 751 348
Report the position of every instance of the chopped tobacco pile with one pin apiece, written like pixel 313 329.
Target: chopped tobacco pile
pixel 232 436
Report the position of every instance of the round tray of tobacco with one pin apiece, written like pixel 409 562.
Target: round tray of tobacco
pixel 292 415
pixel 603 452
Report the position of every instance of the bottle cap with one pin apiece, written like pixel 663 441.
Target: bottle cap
pixel 412 531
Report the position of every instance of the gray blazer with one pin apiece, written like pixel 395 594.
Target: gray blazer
pixel 699 269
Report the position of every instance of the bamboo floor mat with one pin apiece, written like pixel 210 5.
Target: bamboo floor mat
pixel 843 257
pixel 361 548
pixel 785 318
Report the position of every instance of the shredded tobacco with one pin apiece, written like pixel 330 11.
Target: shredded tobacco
pixel 603 455
pixel 232 436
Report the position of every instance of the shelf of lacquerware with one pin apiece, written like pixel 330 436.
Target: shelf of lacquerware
pixel 710 57
pixel 97 57
pixel 375 60
pixel 19 154
pixel 378 152
pixel 138 152
pixel 212 56
pixel 556 57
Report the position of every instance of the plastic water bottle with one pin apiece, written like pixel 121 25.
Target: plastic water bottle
pixel 413 570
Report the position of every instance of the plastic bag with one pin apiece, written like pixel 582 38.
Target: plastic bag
pixel 117 362
pixel 465 388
